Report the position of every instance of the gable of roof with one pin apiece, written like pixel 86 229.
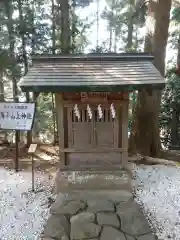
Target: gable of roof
pixel 92 72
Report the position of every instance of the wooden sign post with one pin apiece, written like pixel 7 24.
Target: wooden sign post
pixel 19 117
pixel 31 151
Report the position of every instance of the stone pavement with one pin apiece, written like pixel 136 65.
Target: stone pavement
pixel 96 215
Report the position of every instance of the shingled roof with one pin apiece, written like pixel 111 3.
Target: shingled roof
pixel 92 72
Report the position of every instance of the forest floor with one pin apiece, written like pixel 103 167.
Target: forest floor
pixel 46 158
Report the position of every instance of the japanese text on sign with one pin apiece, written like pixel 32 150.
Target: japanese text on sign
pixel 16 116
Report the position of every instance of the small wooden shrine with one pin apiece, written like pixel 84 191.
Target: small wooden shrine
pixel 92 98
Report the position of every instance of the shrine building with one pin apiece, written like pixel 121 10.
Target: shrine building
pixel 92 99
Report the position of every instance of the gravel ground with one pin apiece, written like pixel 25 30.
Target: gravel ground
pixel 158 192
pixel 22 212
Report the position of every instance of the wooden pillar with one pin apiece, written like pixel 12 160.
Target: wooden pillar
pixel 60 125
pixel 125 133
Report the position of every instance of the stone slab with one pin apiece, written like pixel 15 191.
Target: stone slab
pixel 56 227
pixel 109 233
pixel 82 217
pixel 133 221
pixel 129 237
pixel 84 230
pixel 149 236
pixel 110 219
pixel 100 206
pixel 67 207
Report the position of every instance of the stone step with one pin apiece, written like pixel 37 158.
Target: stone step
pixel 87 180
pixel 99 168
pixel 106 194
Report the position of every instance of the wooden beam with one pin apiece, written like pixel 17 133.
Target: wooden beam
pixel 93 150
pixel 120 126
pixel 60 125
pixel 72 102
pixel 93 168
pixel 125 133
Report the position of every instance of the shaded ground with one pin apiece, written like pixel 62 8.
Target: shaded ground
pixel 46 157
pixel 9 151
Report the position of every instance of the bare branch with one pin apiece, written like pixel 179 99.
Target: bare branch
pixel 139 4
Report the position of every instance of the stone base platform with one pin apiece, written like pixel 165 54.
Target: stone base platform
pixel 96 215
pixel 66 181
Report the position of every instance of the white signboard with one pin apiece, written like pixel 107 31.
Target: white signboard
pixel 16 116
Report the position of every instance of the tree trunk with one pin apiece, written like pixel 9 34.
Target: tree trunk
pixel 10 27
pixel 110 39
pixel 53 52
pixel 65 36
pixel 136 41
pixel 115 33
pixel 115 40
pixel 1 86
pixel 73 26
pixel 178 52
pixel 53 28
pixel 2 100
pixel 25 59
pixel 33 28
pixel 111 27
pixel 174 128
pixel 9 13
pixel 145 137
pixel 130 27
pixel 175 112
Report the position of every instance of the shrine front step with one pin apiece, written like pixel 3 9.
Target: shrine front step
pixel 105 168
pixel 66 181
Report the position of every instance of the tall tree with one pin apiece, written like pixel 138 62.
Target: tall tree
pixel 22 34
pixel 123 23
pixel 130 26
pixel 8 7
pixel 145 137
pixel 53 27
pixel 65 35
pixel 170 107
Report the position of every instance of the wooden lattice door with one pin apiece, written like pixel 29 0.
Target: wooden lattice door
pixel 80 132
pixel 105 129
pixel 86 133
pixel 92 140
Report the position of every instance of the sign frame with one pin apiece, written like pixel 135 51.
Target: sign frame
pixel 17 131
pixel 33 117
pixel 31 151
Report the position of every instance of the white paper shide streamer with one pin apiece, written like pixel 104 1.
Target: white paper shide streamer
pixel 76 111
pixel 113 111
pixel 100 113
pixel 89 111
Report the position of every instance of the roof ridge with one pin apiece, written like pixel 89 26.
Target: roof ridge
pixel 94 57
